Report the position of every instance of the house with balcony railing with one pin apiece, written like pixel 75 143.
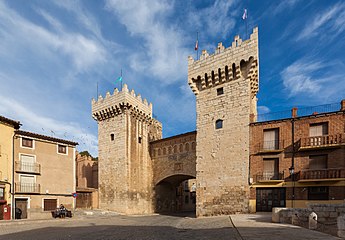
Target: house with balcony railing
pixel 298 157
pixel 44 174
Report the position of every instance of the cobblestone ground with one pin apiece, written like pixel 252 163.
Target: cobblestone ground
pixel 160 227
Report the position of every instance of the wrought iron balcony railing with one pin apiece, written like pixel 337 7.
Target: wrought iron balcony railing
pixel 27 167
pixel 330 173
pixel 323 141
pixel 27 187
pixel 269 176
pixel 270 146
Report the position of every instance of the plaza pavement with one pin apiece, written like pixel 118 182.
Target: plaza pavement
pixel 113 226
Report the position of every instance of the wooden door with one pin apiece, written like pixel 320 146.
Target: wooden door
pixel 22 204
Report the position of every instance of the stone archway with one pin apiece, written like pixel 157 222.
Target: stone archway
pixel 171 194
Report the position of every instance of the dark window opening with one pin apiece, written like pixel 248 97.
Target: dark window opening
pixel 318 193
pixel 62 149
pixel 226 73
pixel 112 137
pixel 219 124
pixel 220 91
pixel 233 71
pixel 2 193
pixel 27 142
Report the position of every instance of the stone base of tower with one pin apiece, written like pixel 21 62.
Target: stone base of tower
pixel 132 205
pixel 222 201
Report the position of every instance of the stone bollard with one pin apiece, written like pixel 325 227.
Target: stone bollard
pixel 276 214
pixel 313 221
pixel 341 226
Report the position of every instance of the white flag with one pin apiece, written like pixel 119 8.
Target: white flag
pixel 244 16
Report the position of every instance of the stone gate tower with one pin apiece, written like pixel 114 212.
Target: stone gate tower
pixel 225 85
pixel 125 127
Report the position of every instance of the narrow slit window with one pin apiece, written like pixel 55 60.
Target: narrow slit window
pixel 219 124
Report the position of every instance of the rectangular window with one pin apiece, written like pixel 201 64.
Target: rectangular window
pixel 27 163
pixel 318 162
pixel 271 169
pixel 2 193
pixel 62 149
pixel 271 139
pixel 27 142
pixel 319 129
pixel 27 184
pixel 318 193
pixel 220 91
pixel 49 204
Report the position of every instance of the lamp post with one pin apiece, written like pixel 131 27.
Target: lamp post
pixel 292 174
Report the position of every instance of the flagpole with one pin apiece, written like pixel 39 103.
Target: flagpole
pixel 121 80
pixel 197 50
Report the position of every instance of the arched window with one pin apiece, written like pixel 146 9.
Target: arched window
pixel 219 124
pixel 187 147
pixel 181 147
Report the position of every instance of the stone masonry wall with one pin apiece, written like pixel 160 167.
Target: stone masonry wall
pixel 125 126
pixel 223 154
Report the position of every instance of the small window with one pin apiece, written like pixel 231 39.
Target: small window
pixel 27 142
pixel 62 149
pixel 220 91
pixel 318 193
pixel 139 140
pixel 49 204
pixel 2 193
pixel 112 137
pixel 219 124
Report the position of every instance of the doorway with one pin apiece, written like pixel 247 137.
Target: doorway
pixel 268 198
pixel 21 210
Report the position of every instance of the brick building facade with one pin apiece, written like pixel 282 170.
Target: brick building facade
pixel 298 160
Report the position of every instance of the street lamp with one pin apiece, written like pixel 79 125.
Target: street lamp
pixel 292 174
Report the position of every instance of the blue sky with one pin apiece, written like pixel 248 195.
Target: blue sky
pixel 53 53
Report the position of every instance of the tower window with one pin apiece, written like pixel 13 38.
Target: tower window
pixel 219 124
pixel 112 137
pixel 220 91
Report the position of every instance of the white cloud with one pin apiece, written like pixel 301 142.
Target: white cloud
pixel 215 19
pixel 83 52
pixel 318 79
pixel 328 21
pixel 283 6
pixel 164 56
pixel 48 126
pixel 263 110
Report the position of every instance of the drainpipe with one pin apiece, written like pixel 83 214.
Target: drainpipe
pixel 12 187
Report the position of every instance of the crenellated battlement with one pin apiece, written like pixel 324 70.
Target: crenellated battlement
pixel 226 64
pixel 119 102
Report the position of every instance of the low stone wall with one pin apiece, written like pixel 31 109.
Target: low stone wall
pixel 327 218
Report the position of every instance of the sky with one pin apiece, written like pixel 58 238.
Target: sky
pixel 53 54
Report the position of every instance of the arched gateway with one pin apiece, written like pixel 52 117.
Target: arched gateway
pixel 139 171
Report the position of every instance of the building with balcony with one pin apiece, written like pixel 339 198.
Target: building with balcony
pixel 298 159
pixel 7 129
pixel 44 174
